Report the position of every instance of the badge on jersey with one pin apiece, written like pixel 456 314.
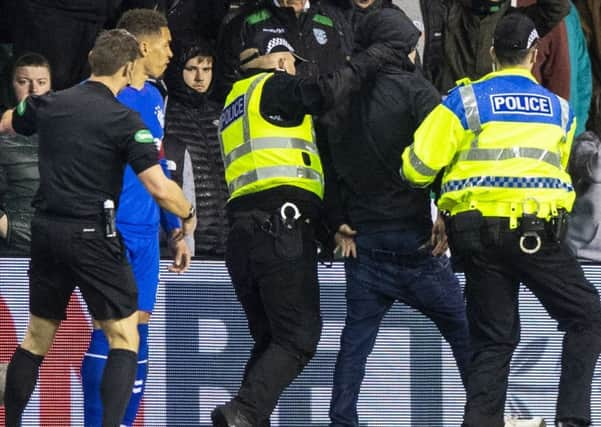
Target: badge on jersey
pixel 521 103
pixel 320 35
pixel 143 136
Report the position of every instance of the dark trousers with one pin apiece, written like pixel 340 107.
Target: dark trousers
pixel 494 271
pixel 275 278
pixel 389 267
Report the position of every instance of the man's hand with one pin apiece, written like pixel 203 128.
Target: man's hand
pixel 6 122
pixel 439 237
pixel 345 241
pixel 3 225
pixel 180 252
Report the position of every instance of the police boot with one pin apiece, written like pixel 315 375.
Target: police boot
pixel 228 415
pixel 3 368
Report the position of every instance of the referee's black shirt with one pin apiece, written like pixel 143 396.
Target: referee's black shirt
pixel 86 137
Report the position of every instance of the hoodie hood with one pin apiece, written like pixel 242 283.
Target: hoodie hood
pixel 177 88
pixel 391 27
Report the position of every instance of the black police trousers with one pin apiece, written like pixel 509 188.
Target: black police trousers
pixel 494 268
pixel 274 273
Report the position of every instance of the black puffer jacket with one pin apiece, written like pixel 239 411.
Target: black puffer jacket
pixel 384 116
pixel 191 129
pixel 19 181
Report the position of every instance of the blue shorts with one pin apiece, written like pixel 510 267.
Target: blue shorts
pixel 144 256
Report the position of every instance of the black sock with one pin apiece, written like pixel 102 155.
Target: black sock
pixel 21 377
pixel 117 383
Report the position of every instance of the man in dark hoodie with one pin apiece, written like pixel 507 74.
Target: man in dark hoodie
pixel 191 142
pixel 399 252
pixel 274 173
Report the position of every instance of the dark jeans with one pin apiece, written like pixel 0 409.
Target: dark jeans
pixel 279 292
pixel 493 273
pixel 390 267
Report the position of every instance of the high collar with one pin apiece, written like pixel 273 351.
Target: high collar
pixel 511 71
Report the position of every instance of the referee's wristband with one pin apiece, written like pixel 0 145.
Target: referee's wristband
pixel 191 214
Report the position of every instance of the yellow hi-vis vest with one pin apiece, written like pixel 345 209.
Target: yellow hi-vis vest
pixel 504 141
pixel 259 155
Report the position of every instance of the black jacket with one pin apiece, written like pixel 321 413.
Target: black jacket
pixel 384 115
pixel 192 121
pixel 19 181
pixel 458 39
pixel 191 19
pixel 313 35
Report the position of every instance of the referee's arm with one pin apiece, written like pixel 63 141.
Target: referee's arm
pixel 169 196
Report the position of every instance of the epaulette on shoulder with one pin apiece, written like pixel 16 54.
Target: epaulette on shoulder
pixel 258 16
pixel 324 20
pixel 463 82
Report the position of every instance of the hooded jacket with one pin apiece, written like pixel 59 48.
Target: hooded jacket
pixel 384 116
pixel 191 142
pixel 584 231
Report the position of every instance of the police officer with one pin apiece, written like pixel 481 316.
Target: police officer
pixel 504 141
pixel 85 139
pixel 274 174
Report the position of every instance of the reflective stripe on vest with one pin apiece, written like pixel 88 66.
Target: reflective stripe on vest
pixel 273 172
pixel 266 144
pixel 418 165
pixel 472 116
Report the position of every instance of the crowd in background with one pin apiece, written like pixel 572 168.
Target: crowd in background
pixel 207 38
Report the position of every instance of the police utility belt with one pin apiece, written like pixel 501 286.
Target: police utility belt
pixel 285 226
pixel 533 221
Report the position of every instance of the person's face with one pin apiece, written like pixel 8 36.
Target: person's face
pixel 297 5
pixel 363 4
pixel 157 52
pixel 198 73
pixel 31 80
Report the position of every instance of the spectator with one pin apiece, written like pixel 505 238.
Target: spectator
pixel 581 74
pixel 61 30
pixel 584 232
pixel 192 19
pixel 459 35
pixel 590 14
pixel 191 141
pixel 306 25
pixel 552 66
pixel 19 176
pixel 399 251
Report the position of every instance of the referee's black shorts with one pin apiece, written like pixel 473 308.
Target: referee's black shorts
pixel 66 253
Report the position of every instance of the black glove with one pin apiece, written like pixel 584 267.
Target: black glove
pixel 367 62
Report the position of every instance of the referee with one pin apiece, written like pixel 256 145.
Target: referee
pixel 86 137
